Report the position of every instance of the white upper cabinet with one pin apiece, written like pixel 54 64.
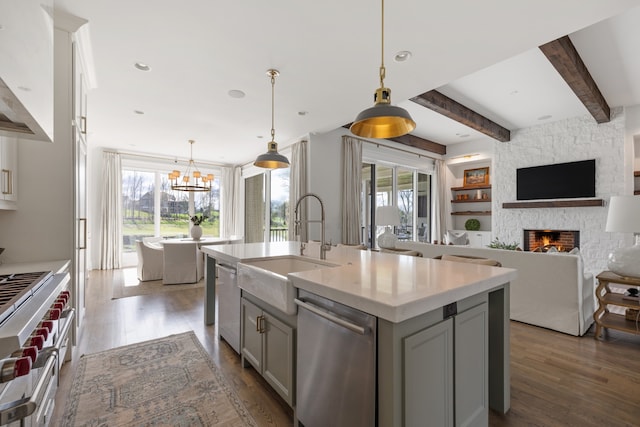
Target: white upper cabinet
pixel 26 69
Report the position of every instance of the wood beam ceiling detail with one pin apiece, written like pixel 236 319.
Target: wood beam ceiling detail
pixel 421 143
pixel 416 142
pixel 446 106
pixel 565 59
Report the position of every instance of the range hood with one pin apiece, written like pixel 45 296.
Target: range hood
pixel 26 69
pixel 14 117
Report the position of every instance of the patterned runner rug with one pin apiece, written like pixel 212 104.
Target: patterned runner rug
pixel 170 381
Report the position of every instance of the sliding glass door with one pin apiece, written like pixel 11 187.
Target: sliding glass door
pixel 384 185
pixel 267 202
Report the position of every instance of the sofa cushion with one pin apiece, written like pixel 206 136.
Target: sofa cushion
pixel 471 260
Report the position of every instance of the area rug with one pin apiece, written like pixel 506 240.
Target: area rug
pixel 130 286
pixel 170 381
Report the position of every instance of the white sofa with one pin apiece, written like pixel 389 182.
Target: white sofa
pixel 551 290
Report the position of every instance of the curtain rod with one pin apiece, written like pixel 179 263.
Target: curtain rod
pixel 378 144
pixel 172 160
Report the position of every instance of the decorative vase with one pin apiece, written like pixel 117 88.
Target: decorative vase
pixel 196 232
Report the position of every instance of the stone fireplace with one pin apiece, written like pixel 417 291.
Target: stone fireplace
pixel 543 240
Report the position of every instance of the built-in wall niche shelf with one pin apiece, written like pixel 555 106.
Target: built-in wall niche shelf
pixel 471 194
pixel 553 204
pixel 471 213
pixel 475 187
pixel 636 174
pixel 471 201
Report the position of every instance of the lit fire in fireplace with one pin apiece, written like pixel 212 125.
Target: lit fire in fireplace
pixel 543 240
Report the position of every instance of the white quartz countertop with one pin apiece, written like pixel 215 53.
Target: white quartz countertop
pixel 55 267
pixel 389 286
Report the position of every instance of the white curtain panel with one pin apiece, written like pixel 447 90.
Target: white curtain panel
pixel 441 207
pixel 351 183
pixel 298 186
pixel 111 219
pixel 230 203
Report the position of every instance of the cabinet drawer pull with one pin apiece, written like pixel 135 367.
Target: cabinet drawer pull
pixel 83 127
pixel 260 324
pixel 8 182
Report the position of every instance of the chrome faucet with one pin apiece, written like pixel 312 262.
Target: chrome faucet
pixel 324 246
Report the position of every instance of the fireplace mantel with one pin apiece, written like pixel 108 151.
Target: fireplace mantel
pixel 553 204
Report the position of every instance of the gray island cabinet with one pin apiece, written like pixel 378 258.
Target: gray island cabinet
pixel 442 332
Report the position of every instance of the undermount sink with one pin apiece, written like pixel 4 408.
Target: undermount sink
pixel 266 278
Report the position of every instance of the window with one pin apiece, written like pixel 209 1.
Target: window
pixel 151 208
pixel 402 187
pixel 267 202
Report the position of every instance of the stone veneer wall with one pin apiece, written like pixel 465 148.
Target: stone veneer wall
pixel 567 140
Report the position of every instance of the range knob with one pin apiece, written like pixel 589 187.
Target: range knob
pixel 30 352
pixel 47 324
pixel 52 314
pixel 14 367
pixel 36 341
pixel 41 331
pixel 63 299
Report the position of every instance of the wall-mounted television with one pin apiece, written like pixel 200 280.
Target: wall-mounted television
pixel 557 181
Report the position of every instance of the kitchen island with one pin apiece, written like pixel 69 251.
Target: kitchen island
pixel 412 298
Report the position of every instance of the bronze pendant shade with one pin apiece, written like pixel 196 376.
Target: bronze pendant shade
pixel 272 159
pixel 383 120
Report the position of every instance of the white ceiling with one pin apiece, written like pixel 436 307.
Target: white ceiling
pixel 482 54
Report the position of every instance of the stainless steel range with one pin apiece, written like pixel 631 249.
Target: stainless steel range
pixel 35 321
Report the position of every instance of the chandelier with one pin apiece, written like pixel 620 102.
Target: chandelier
pixel 200 182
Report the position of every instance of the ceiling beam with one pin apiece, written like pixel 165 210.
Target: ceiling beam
pixel 421 143
pixel 446 106
pixel 565 59
pixel 416 142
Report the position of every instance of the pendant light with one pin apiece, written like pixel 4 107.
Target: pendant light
pixel 383 120
pixel 183 183
pixel 272 159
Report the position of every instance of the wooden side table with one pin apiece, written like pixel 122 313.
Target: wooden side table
pixel 602 316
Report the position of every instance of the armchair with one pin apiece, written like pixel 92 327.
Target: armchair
pixel 150 261
pixel 182 263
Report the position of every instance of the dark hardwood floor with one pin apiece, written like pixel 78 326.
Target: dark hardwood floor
pixel 556 379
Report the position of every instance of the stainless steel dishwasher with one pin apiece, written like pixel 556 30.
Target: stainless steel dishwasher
pixel 336 364
pixel 228 305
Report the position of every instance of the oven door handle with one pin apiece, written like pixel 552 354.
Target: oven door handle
pixel 62 336
pixel 22 408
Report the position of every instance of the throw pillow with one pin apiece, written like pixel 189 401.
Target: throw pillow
pixel 452 238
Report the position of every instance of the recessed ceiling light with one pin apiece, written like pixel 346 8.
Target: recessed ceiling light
pixel 462 135
pixel 402 56
pixel 24 88
pixel 513 92
pixel 138 111
pixel 545 117
pixel 235 93
pixel 142 66
pixel 303 113
pixel 260 137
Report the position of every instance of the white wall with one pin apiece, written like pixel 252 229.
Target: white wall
pixel 325 177
pixel 41 229
pixel 568 140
